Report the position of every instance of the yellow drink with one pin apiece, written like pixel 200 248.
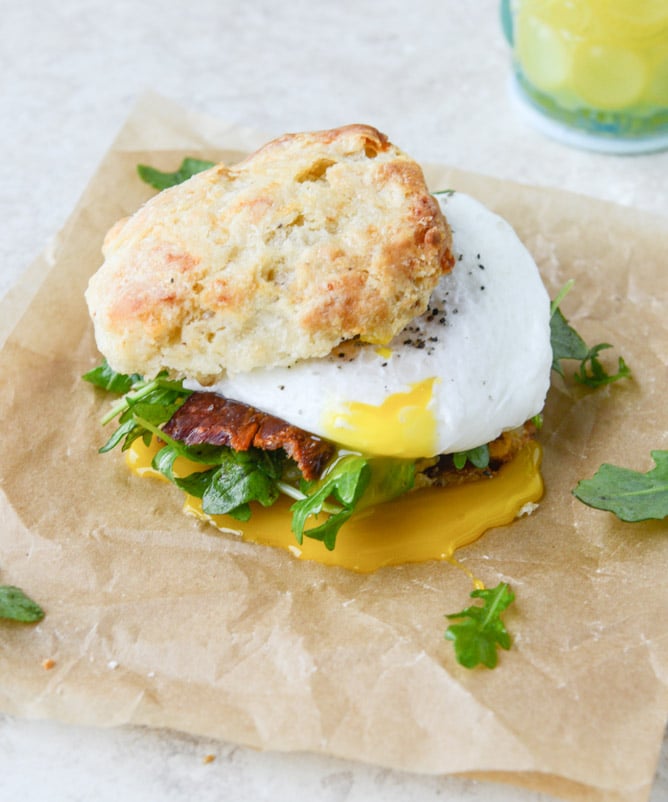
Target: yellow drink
pixel 600 66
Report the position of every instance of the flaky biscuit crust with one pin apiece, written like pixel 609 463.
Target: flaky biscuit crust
pixel 314 239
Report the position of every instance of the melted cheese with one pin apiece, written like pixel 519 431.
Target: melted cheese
pixel 429 524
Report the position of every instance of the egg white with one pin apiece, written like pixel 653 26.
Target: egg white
pixel 485 339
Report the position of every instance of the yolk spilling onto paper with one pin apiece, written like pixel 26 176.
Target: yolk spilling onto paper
pixel 429 524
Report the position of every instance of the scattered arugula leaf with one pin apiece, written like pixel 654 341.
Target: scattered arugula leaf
pixel 597 376
pixel 16 606
pixel 476 638
pixel 630 495
pixel 448 192
pixel 478 457
pixel 568 344
pixel 162 180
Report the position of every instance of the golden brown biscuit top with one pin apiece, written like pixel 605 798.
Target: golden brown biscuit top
pixel 314 239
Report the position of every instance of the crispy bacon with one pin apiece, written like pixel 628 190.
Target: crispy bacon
pixel 210 418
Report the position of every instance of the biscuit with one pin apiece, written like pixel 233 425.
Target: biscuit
pixel 314 239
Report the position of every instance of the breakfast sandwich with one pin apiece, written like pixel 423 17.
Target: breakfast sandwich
pixel 317 324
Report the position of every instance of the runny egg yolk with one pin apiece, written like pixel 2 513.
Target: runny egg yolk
pixel 428 524
pixel 404 425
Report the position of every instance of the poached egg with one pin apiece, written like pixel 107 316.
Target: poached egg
pixel 475 364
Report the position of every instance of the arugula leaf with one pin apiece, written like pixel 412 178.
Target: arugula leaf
pixel 161 180
pixel 143 409
pixel 478 457
pixel 597 376
pixel 103 376
pixel 476 638
pixel 568 344
pixel 346 483
pixel 390 478
pixel 630 495
pixel 240 479
pixel 128 431
pixel 226 489
pixel 16 606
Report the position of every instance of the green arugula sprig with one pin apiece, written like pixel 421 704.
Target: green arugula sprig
pixel 152 401
pixel 16 606
pixel 106 378
pixel 481 629
pixel 478 457
pixel 568 344
pixel 630 495
pixel 163 180
pixel 345 483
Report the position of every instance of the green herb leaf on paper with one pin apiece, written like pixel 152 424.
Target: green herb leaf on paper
pixel 162 180
pixel 568 344
pixel 16 606
pixel 630 495
pixel 481 630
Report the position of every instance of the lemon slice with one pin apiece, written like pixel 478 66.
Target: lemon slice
pixel 542 52
pixel 608 77
pixel 574 19
pixel 631 18
pixel 658 89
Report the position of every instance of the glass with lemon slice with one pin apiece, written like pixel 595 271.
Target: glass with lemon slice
pixel 593 73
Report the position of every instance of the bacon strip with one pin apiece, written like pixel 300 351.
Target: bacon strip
pixel 210 418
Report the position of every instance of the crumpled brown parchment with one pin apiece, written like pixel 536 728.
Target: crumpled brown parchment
pixel 155 619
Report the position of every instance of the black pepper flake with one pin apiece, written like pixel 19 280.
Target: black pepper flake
pixel 281 387
pixel 384 365
pixel 442 321
pixel 460 257
pixel 482 267
pixel 482 286
pixel 433 339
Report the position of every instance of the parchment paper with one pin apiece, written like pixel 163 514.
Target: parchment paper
pixel 155 619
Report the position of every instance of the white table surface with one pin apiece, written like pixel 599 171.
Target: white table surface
pixel 430 73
